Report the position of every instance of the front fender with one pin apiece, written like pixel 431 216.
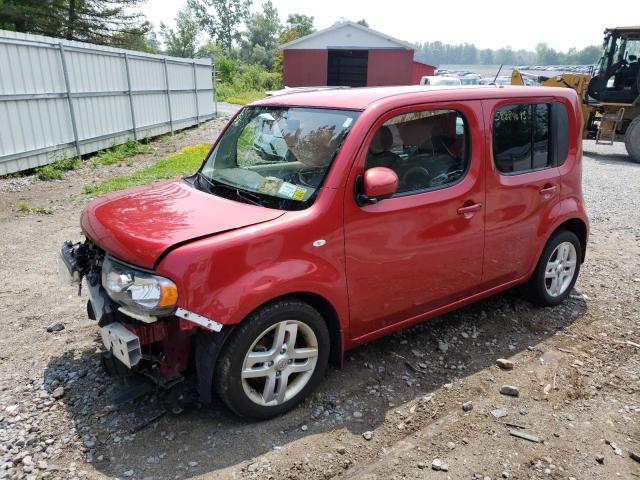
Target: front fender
pixel 226 277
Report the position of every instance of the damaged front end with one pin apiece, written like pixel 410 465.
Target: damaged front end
pixel 145 334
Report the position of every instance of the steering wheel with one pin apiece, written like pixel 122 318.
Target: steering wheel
pixel 306 177
pixel 443 178
pixel 416 177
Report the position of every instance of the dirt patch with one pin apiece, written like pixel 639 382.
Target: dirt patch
pixel 395 407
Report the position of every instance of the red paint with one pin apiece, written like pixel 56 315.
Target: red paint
pixel 420 70
pixel 386 67
pixel 384 266
pixel 389 67
pixel 380 182
pixel 141 223
pixel 305 68
pixel 149 333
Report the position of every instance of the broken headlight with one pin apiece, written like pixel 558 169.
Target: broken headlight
pixel 138 291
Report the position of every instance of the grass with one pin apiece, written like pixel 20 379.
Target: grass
pixel 56 170
pixel 184 162
pixel 118 154
pixel 115 155
pixel 233 94
pixel 26 208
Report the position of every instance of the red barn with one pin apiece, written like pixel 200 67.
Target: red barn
pixel 349 54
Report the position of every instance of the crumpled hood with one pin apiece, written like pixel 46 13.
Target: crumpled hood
pixel 139 224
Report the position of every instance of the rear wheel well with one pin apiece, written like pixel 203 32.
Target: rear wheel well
pixel 579 228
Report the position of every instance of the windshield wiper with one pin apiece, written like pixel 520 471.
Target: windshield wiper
pixel 240 194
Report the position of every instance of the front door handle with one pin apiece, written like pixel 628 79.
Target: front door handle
pixel 468 210
pixel 548 190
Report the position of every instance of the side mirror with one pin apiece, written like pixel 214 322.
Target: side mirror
pixel 378 183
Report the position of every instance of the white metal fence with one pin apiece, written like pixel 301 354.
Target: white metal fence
pixel 61 98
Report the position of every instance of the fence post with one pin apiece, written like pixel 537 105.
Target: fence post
pixel 133 115
pixel 72 112
pixel 195 93
pixel 215 88
pixel 166 80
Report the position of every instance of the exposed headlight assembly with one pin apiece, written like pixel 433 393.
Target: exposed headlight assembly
pixel 139 292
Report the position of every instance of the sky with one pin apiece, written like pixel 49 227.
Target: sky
pixel 485 23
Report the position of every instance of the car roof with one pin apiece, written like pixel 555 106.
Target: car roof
pixel 361 98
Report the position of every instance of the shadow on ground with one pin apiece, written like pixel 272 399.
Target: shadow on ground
pixel 138 441
pixel 612 158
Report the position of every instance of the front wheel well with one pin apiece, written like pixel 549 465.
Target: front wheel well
pixel 579 228
pixel 325 308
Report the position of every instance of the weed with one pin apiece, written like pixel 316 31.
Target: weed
pixel 55 170
pixel 185 162
pixel 25 207
pixel 118 153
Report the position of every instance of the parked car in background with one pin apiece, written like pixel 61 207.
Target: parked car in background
pixel 390 206
pixel 439 80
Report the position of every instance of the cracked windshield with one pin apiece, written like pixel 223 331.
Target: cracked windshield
pixel 276 157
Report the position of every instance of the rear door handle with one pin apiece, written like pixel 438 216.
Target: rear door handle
pixel 548 190
pixel 469 210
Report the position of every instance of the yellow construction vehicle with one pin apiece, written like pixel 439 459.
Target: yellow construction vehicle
pixel 611 96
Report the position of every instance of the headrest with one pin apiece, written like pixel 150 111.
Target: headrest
pixel 381 141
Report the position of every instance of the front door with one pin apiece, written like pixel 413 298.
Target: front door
pixel 423 247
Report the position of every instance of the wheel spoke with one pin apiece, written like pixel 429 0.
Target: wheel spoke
pixel 281 391
pixel 302 353
pixel 279 336
pixel 269 391
pixel 301 367
pixel 255 358
pixel 564 252
pixel 292 329
pixel 256 372
pixel 552 274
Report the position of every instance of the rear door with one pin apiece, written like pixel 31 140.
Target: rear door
pixel 523 184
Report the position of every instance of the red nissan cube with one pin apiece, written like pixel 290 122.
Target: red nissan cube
pixel 322 220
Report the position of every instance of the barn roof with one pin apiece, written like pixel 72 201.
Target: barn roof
pixel 343 35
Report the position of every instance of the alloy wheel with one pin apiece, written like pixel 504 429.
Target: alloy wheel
pixel 560 269
pixel 280 362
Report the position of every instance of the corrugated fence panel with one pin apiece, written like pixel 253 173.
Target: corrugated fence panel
pixel 60 98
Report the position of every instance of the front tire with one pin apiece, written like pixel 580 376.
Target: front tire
pixel 273 359
pixel 557 270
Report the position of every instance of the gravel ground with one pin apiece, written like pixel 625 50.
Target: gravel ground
pixel 422 403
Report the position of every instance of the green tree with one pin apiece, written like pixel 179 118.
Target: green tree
pixel 135 39
pixel 486 57
pixel 262 36
pixel 506 56
pixel 589 55
pixel 183 41
pixel 546 55
pixel 297 26
pixel 94 21
pixel 221 19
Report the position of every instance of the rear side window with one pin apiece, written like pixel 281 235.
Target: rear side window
pixel 521 137
pixel 530 136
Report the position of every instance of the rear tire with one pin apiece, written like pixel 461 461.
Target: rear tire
pixel 273 359
pixel 557 270
pixel 632 140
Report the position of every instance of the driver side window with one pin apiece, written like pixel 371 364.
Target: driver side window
pixel 427 149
